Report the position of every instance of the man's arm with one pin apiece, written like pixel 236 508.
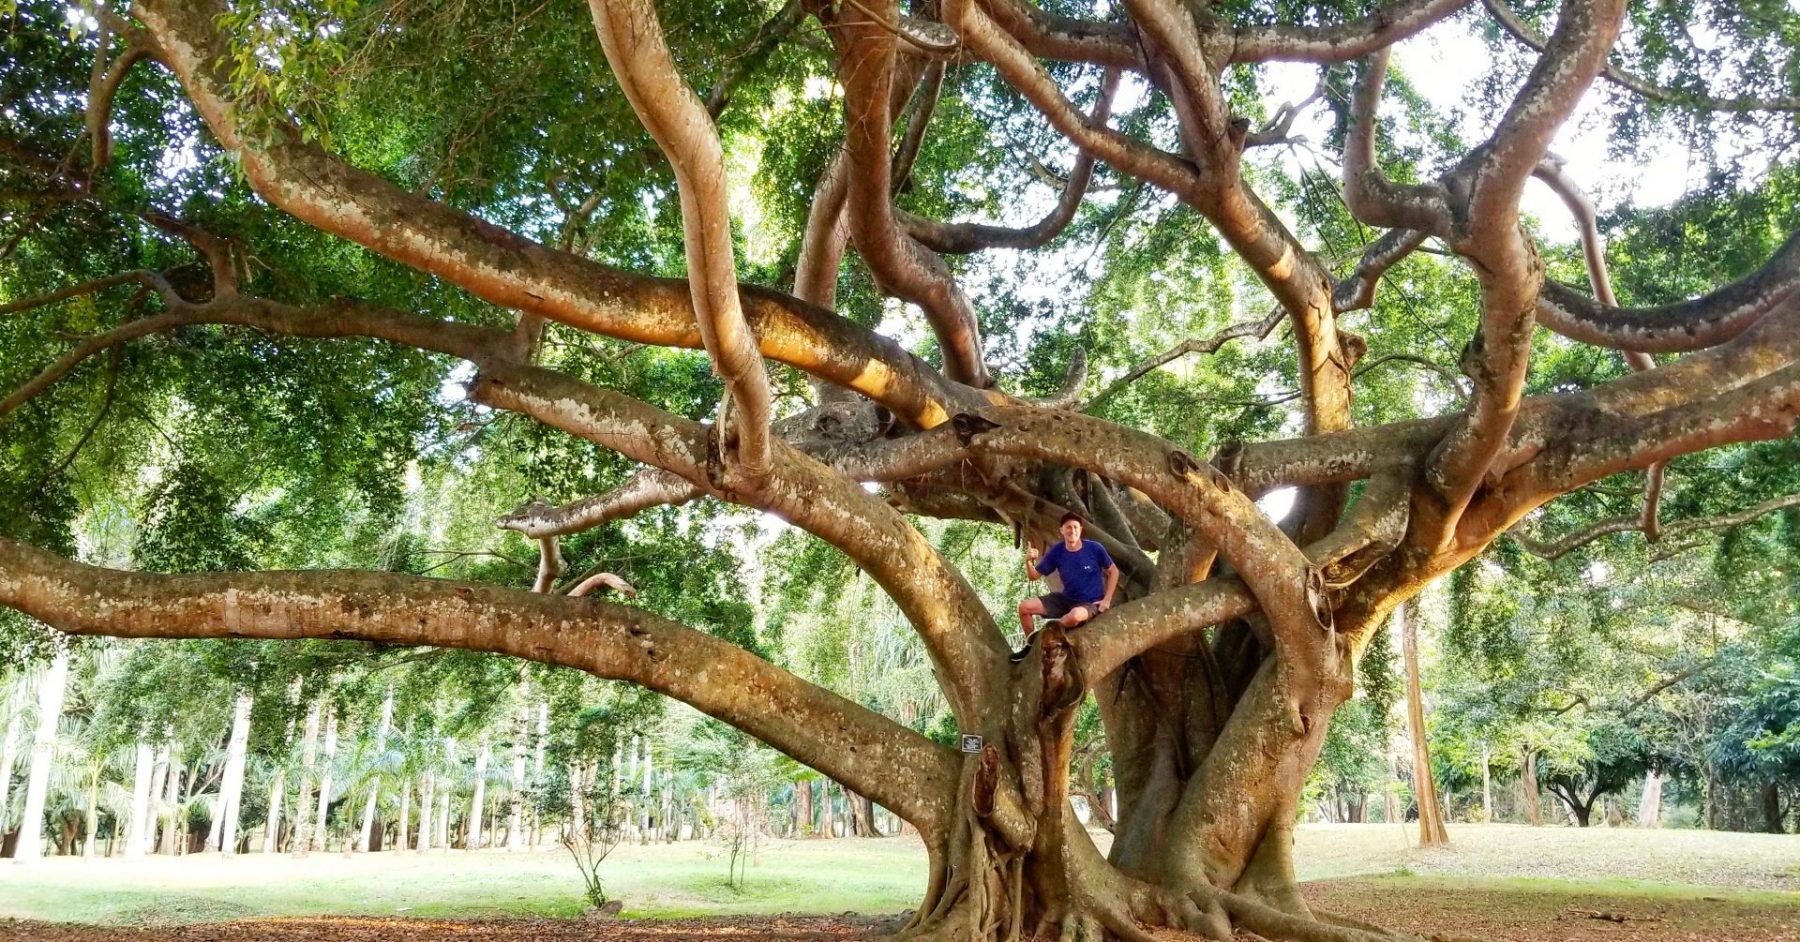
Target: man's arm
pixel 1112 583
pixel 1031 560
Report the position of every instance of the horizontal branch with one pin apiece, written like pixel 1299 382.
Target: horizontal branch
pixel 508 269
pixel 874 755
pixel 1340 42
pixel 1674 328
pixel 1242 330
pixel 1561 546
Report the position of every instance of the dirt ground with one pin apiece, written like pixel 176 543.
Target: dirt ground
pixel 1428 907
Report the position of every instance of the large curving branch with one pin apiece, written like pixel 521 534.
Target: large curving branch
pixel 1049 35
pixel 1507 265
pixel 1675 328
pixel 1340 42
pixel 1522 31
pixel 1356 292
pixel 1557 548
pixel 505 268
pixel 1370 195
pixel 633 39
pixel 876 756
pixel 958 631
pixel 901 264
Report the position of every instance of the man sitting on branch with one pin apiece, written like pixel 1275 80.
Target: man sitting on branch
pixel 1088 576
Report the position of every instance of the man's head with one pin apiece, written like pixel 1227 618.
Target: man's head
pixel 1071 530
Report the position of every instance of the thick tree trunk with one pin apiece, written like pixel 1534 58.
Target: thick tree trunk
pixel 309 755
pixel 1649 813
pixel 1431 820
pixel 803 809
pixel 1771 807
pixel 231 787
pixel 365 835
pixel 51 686
pixel 139 823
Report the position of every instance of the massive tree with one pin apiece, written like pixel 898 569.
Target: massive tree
pixel 1239 635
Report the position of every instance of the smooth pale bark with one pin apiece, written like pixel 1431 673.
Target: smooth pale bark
pixel 272 826
pixel 427 797
pixel 309 755
pixel 9 739
pixel 1487 786
pixel 365 835
pixel 231 787
pixel 1649 811
pixel 51 687
pixel 93 814
pixel 405 814
pixel 443 817
pixel 1431 820
pixel 477 804
pixel 140 799
pixel 171 823
pixel 320 829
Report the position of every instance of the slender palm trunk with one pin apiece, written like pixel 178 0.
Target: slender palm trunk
pixel 405 814
pixel 93 813
pixel 426 794
pixel 1649 812
pixel 309 754
pixel 515 803
pixel 140 800
pixel 172 802
pixel 9 742
pixel 477 802
pixel 272 829
pixel 365 835
pixel 30 846
pixel 331 742
pixel 231 787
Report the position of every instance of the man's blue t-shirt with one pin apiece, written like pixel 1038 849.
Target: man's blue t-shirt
pixel 1083 571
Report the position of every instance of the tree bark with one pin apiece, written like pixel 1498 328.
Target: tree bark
pixel 1487 786
pixel 51 686
pixel 139 823
pixel 1771 807
pixel 1649 812
pixel 321 826
pixel 477 801
pixel 515 800
pixel 427 794
pixel 1528 787
pixel 366 834
pixel 231 786
pixel 309 745
pixel 272 826
pixel 9 738
pixel 400 839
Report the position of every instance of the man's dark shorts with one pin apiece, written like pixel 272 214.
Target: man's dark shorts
pixel 1056 605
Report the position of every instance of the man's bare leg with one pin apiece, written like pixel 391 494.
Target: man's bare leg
pixel 1028 611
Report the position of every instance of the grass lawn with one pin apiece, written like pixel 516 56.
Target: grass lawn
pixel 862 876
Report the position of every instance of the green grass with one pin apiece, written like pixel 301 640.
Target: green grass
pixel 654 881
pixel 863 876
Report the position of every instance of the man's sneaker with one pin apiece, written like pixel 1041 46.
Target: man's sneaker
pixel 1025 651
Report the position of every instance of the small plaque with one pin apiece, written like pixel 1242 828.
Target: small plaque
pixel 971 743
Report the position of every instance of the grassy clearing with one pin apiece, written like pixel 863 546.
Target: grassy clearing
pixel 864 876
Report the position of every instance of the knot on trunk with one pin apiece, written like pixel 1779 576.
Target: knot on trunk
pixel 1318 596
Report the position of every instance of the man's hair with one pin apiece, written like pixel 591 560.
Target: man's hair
pixel 1072 515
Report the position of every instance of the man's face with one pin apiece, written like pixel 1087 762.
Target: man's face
pixel 1071 531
